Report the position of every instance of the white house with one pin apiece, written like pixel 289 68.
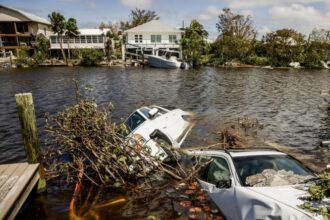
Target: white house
pixel 152 37
pixel 88 38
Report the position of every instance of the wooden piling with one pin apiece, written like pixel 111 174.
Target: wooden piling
pixel 26 113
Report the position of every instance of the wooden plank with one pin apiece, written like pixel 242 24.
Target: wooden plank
pixel 6 174
pixel 11 175
pixel 20 182
pixel 25 193
pixel 3 167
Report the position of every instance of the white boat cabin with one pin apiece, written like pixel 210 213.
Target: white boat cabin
pixel 152 37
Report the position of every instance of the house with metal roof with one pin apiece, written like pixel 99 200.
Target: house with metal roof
pixel 151 38
pixel 18 29
pixel 87 38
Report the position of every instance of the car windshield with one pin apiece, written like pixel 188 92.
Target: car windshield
pixel 270 170
pixel 134 121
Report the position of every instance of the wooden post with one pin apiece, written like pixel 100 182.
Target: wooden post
pixel 26 113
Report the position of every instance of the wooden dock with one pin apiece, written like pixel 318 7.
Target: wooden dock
pixel 16 183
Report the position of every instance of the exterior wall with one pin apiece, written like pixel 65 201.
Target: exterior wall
pixel 44 29
pixel 146 40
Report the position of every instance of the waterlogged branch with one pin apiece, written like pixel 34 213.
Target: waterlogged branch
pixel 85 135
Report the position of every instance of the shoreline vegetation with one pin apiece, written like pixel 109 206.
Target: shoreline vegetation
pixel 236 45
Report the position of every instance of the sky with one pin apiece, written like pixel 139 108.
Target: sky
pixel 268 15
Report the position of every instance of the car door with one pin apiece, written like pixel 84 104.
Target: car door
pixel 218 181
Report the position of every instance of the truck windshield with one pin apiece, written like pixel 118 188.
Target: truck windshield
pixel 271 166
pixel 134 121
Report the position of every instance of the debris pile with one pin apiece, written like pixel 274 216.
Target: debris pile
pixel 270 177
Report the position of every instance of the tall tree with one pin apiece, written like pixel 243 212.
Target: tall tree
pixel 138 17
pixel 236 36
pixel 71 31
pixel 234 24
pixel 194 42
pixel 57 22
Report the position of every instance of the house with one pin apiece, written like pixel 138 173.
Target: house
pixel 87 38
pixel 151 38
pixel 18 29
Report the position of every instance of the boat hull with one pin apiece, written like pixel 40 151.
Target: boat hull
pixel 160 62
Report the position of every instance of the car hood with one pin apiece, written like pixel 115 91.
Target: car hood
pixel 284 196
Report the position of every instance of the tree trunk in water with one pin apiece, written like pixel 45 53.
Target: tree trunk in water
pixel 61 46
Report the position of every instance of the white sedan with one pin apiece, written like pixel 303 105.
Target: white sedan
pixel 255 184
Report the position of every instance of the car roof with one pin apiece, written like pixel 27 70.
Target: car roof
pixel 239 152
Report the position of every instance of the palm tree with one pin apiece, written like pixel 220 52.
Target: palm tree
pixel 57 22
pixel 71 31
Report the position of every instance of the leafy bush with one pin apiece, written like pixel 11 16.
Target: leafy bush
pixel 256 60
pixel 91 57
pixel 24 59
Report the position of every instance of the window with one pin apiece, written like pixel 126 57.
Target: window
pixel 94 39
pixel 218 171
pixel 134 121
pixel 83 39
pixel 156 38
pixel 65 40
pixel 172 39
pixel 100 39
pixel 89 39
pixel 138 38
pixel 22 27
pixel 77 40
pixel 53 39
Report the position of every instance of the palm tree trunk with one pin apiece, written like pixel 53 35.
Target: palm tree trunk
pixel 69 56
pixel 61 46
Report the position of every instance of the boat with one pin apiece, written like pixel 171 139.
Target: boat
pixel 167 61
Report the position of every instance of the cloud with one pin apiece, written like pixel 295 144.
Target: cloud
pixel 144 4
pixel 205 17
pixel 88 3
pixel 239 4
pixel 300 17
pixel 212 10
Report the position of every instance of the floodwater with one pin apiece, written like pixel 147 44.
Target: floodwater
pixel 287 102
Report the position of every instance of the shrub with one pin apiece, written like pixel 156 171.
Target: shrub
pixel 91 57
pixel 24 59
pixel 256 60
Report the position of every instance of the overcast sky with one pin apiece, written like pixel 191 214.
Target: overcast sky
pixel 302 15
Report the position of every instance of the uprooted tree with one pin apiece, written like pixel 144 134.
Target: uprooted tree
pixel 89 145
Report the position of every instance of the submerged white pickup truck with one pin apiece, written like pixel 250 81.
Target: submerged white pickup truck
pixel 152 125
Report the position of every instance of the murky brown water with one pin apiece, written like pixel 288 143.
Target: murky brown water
pixel 285 101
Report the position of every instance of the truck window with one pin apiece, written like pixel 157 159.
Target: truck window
pixel 134 121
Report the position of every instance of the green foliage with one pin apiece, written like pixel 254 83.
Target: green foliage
pixel 91 57
pixel 194 43
pixel 236 25
pixel 24 60
pixel 138 17
pixel 316 52
pixel 41 47
pixel 57 23
pixel 319 191
pixel 255 60
pixel 231 47
pixel 284 46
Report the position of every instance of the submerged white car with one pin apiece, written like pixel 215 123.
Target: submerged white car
pixel 278 183
pixel 150 126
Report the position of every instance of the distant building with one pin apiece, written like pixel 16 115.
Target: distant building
pixel 18 29
pixel 88 38
pixel 152 37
